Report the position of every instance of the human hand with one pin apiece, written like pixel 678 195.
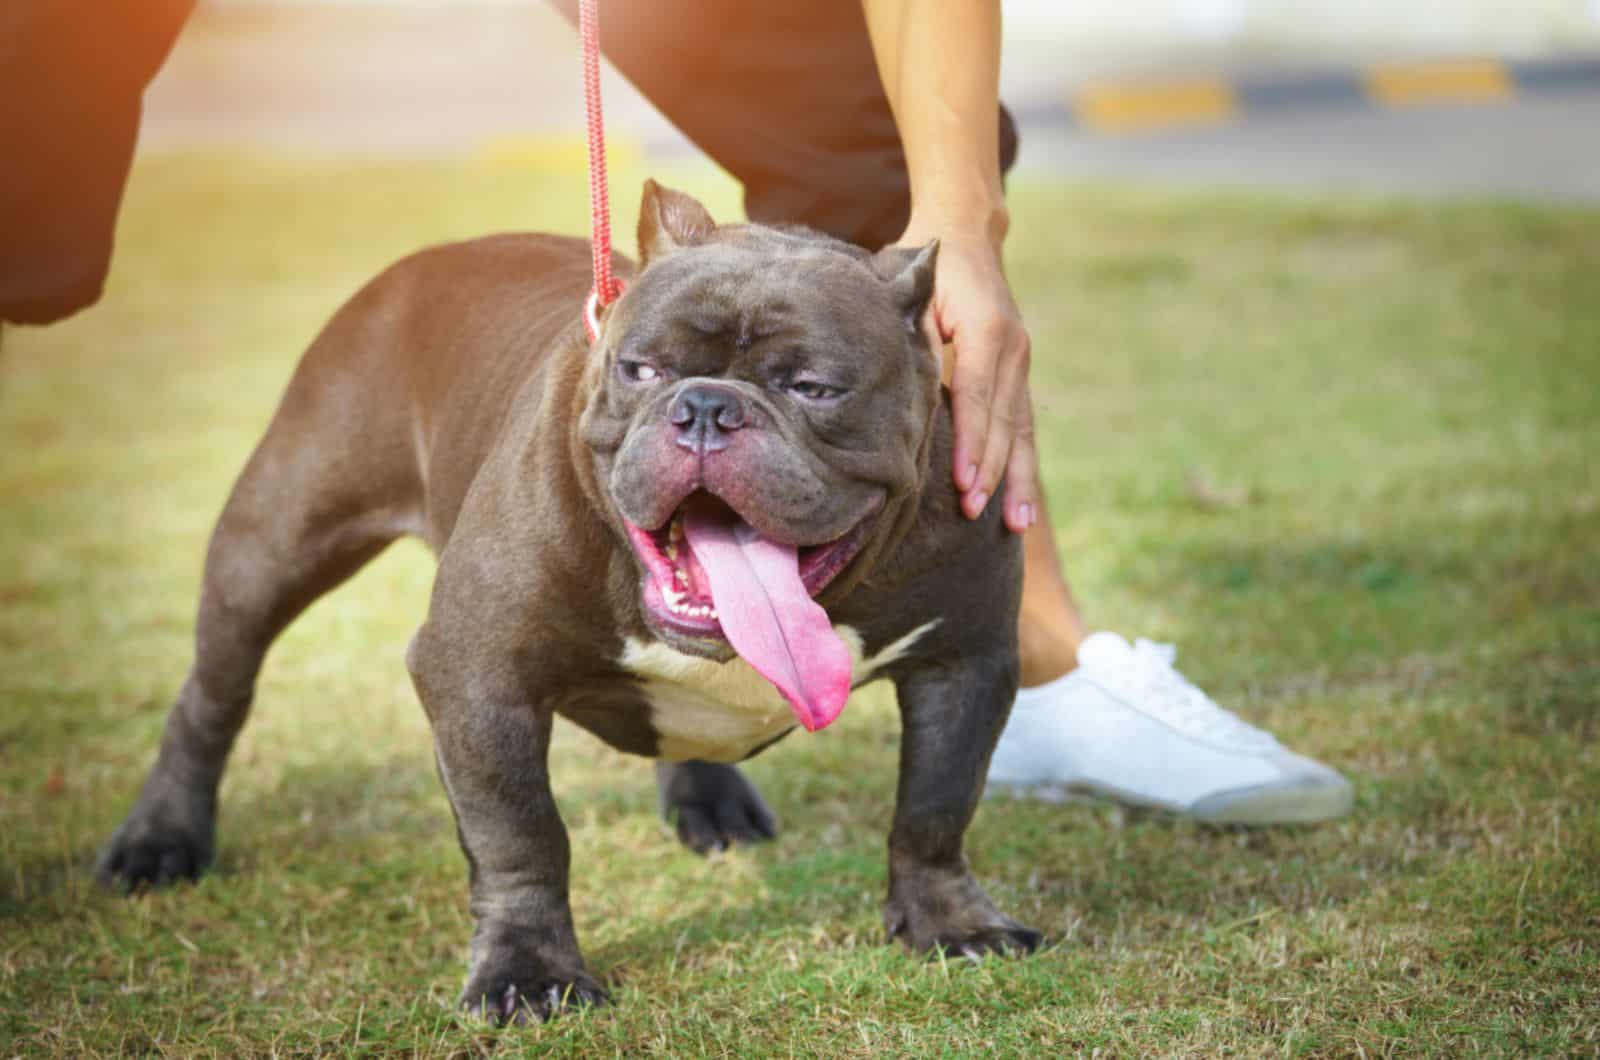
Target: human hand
pixel 973 311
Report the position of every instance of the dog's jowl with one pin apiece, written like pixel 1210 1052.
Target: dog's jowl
pixel 690 538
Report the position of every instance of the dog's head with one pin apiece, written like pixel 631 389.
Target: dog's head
pixel 758 410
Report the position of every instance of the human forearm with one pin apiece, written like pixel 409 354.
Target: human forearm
pixel 940 65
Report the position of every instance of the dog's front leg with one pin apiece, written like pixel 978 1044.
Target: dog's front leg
pixel 951 715
pixel 492 754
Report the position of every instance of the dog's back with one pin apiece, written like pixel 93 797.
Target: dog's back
pixel 421 367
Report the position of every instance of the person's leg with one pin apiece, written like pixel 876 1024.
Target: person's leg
pixel 787 99
pixel 1050 627
pixel 72 74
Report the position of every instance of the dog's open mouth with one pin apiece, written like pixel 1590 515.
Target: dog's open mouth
pixel 711 575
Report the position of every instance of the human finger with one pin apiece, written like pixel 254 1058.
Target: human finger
pixel 1008 352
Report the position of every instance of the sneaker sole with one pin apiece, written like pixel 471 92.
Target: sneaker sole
pixel 1306 804
pixel 1267 805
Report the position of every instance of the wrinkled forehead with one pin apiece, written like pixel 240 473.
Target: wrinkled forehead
pixel 744 294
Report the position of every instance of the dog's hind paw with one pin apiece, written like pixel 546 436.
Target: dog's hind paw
pixel 713 806
pixel 139 856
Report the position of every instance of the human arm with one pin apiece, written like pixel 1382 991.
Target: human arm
pixel 940 65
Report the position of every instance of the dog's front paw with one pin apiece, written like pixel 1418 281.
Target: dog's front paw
pixel 935 912
pixel 528 995
pixel 713 806
pixel 1011 937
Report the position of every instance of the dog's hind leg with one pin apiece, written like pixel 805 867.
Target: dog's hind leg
pixel 303 517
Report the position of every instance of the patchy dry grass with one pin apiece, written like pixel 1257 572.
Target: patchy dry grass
pixel 1343 452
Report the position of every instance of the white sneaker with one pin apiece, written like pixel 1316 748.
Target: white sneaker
pixel 1128 726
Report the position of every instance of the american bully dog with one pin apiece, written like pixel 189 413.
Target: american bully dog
pixel 691 537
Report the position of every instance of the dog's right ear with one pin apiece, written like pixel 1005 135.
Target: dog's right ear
pixel 910 273
pixel 668 220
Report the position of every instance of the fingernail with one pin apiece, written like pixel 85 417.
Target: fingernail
pixel 1025 514
pixel 969 476
pixel 979 501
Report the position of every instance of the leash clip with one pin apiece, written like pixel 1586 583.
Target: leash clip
pixel 592 306
pixel 591 315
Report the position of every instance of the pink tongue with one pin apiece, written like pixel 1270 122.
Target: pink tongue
pixel 768 616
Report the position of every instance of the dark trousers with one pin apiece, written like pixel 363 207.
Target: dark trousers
pixel 785 96
pixel 72 77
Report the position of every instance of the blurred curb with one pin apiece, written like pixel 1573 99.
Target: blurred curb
pixel 1128 107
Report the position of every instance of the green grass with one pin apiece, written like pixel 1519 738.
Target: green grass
pixel 1346 453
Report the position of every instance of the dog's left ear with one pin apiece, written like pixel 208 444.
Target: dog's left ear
pixel 668 220
pixel 909 272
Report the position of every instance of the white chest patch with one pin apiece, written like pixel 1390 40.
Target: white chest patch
pixel 720 712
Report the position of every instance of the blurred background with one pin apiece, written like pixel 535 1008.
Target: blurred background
pixel 1312 290
pixel 1492 96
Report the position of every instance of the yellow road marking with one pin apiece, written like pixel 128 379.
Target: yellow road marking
pixel 1409 84
pixel 1124 108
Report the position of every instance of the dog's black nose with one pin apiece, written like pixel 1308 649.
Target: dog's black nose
pixel 705 414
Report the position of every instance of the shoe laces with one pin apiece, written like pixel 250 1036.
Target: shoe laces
pixel 1153 683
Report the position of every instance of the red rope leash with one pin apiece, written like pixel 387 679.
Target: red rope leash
pixel 607 288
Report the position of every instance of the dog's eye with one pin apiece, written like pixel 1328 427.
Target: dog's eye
pixel 637 371
pixel 811 390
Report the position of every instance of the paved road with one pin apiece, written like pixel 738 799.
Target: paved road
pixel 1538 148
pixel 435 81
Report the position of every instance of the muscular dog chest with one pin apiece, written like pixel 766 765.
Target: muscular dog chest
pixel 720 712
